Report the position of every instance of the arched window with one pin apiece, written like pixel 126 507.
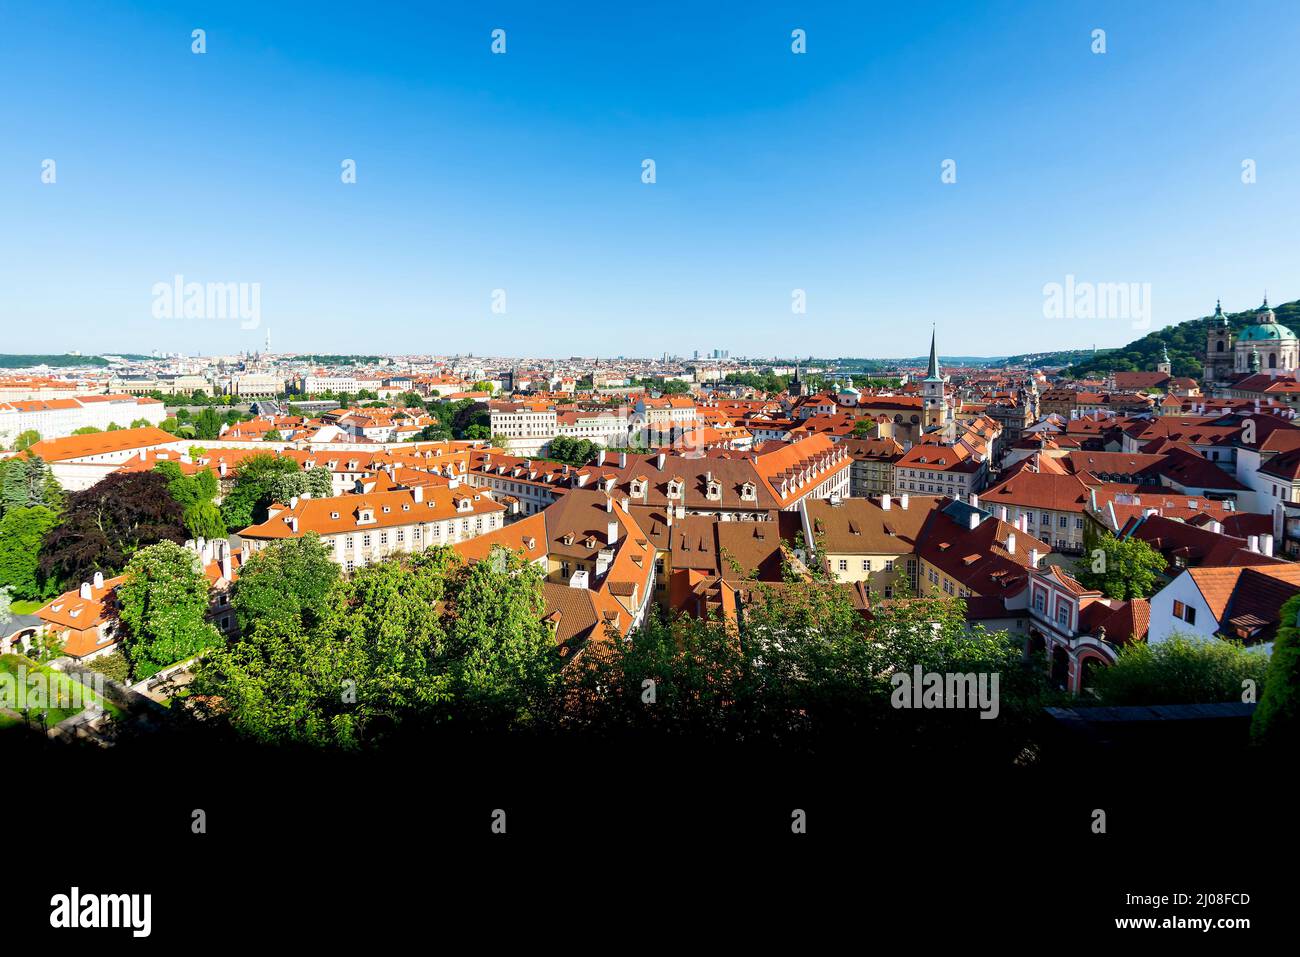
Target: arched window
pixel 1272 360
pixel 1218 346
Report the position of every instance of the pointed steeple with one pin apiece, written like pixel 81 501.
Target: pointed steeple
pixel 933 371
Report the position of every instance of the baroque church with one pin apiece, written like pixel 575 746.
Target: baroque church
pixel 1264 346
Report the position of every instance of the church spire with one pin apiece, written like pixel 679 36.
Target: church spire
pixel 933 371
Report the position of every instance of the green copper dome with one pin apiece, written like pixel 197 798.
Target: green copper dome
pixel 1265 332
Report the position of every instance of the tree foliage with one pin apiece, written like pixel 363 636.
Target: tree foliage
pixel 1121 568
pixel 21 532
pixel 104 525
pixel 163 604
pixel 401 646
pixel 289 580
pixel 261 481
pixel 1276 723
pixel 1180 670
pixel 195 494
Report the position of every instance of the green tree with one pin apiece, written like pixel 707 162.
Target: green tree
pixel 86 430
pixel 195 494
pixel 1276 723
pixel 207 424
pixel 28 480
pixel 21 532
pixel 1121 568
pixel 290 580
pixel 1180 670
pixel 26 440
pixel 273 435
pixel 255 488
pixel 163 604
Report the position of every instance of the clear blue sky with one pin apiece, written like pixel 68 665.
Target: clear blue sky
pixel 523 172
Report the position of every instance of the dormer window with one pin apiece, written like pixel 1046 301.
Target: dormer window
pixel 638 488
pixel 674 489
pixel 748 491
pixel 714 490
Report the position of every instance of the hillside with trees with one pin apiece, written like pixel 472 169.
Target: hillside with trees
pixel 1185 341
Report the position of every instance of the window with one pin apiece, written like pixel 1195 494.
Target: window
pixel 844 564
pixel 1078 523
pixel 1064 522
pixel 889 565
pixel 1184 613
pixel 866 564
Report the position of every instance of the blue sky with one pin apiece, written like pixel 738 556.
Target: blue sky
pixel 522 172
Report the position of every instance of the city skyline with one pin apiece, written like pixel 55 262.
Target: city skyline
pixel 514 179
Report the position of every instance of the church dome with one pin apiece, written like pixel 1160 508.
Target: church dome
pixel 1266 332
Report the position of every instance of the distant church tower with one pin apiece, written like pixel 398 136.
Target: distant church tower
pixel 1218 370
pixel 1164 365
pixel 935 408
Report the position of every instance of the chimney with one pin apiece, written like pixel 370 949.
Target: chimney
pixel 974 519
pixel 902 502
pixel 974 501
pixel 84 591
pixel 609 504
pixel 884 502
pixel 622 460
pixel 293 524
pixel 1033 558
pixel 1266 544
pixel 99 580
pixel 221 469
pixel 417 493
pixel 625 503
pixel 600 457
pixel 1253 543
pixel 659 461
pixel 1002 513
pixel 1011 543
pixel 293 503
pixel 226 571
pixel 611 533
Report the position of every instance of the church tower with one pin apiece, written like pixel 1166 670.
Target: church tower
pixel 1219 363
pixel 1164 365
pixel 935 408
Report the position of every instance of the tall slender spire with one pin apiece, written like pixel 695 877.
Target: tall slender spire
pixel 933 371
